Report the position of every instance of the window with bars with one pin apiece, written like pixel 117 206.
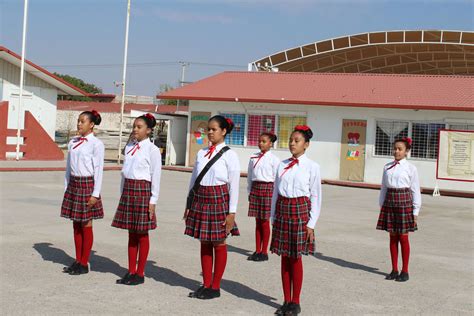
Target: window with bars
pixel 258 124
pixel 285 127
pixel 462 127
pixel 238 133
pixel 386 133
pixel 425 140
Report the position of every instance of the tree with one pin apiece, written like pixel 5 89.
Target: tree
pixel 167 87
pixel 81 84
pixel 164 88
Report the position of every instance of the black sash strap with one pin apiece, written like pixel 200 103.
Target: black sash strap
pixel 201 175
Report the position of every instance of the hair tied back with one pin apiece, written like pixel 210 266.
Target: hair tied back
pixel 408 140
pixel 301 128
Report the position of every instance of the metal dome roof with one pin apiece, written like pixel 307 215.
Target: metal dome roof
pixel 396 52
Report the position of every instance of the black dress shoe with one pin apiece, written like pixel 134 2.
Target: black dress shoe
pixel 136 280
pixel 126 278
pixel 392 276
pixel 252 257
pixel 209 294
pixel 258 257
pixel 71 267
pixel 282 309
pixel 293 309
pixel 403 277
pixel 197 292
pixel 79 269
pixel 263 257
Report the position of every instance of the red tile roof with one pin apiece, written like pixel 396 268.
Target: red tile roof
pixel 102 97
pixel 115 107
pixel 453 93
pixel 169 109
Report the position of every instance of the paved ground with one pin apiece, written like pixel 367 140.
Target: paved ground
pixel 346 277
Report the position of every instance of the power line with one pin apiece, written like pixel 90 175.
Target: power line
pixel 144 64
pixel 111 65
pixel 215 65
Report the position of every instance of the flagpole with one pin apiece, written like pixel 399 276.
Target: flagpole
pixel 122 105
pixel 22 71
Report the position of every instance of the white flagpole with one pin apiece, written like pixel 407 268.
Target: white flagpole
pixel 122 105
pixel 22 71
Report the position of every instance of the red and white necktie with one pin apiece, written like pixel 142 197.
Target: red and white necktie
pixel 79 142
pixel 134 149
pixel 210 151
pixel 293 161
pixel 259 157
pixel 395 162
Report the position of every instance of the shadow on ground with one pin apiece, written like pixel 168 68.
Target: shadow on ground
pixel 160 274
pixel 337 261
pixel 347 264
pixel 98 263
pixel 238 250
pixel 172 278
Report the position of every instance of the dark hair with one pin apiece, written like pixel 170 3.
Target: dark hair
pixel 93 116
pixel 305 131
pixel 149 120
pixel 223 122
pixel 405 140
pixel 270 135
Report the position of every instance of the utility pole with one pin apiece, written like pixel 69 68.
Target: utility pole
pixel 122 104
pixel 184 64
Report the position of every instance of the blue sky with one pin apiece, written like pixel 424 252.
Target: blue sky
pixel 65 35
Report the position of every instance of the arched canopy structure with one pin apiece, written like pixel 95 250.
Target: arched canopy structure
pixel 395 52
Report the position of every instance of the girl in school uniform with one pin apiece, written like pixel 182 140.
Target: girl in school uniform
pixel 260 178
pixel 400 203
pixel 140 185
pixel 82 203
pixel 296 205
pixel 211 215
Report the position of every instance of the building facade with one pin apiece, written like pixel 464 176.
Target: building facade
pixel 355 118
pixel 40 94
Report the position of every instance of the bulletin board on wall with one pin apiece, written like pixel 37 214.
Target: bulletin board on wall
pixel 198 134
pixel 353 142
pixel 286 125
pixel 455 155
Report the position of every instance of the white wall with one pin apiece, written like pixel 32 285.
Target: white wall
pixel 39 98
pixel 326 123
pixel 40 101
pixel 66 121
pixel 177 140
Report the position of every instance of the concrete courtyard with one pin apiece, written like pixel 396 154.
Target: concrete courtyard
pixel 346 276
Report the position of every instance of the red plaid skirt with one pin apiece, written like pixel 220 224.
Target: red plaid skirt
pixel 132 211
pixel 79 191
pixel 207 214
pixel 289 234
pixel 396 215
pixel 260 199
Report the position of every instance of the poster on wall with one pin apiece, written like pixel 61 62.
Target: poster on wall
pixel 455 155
pixel 198 134
pixel 352 160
